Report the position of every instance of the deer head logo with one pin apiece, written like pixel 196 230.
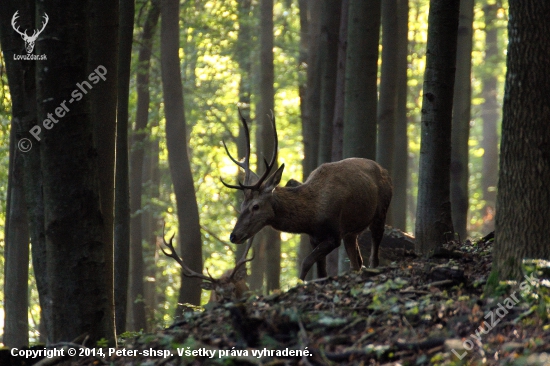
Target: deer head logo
pixel 29 40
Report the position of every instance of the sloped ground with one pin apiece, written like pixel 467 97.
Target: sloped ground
pixel 414 312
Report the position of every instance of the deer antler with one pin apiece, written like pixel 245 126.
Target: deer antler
pixel 188 272
pixel 245 164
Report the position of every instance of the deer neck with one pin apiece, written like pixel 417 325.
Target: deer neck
pixel 293 209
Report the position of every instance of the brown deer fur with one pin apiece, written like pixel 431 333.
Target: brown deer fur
pixel 338 201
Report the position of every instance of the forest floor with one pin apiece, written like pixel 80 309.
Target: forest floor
pixel 413 312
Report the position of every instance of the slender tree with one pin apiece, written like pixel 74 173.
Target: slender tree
pixel 523 197
pixel 387 105
pixel 16 252
pixel 176 141
pixel 122 188
pixel 328 53
pixel 433 218
pixel 400 176
pixel 361 79
pixel 461 119
pixel 22 84
pixel 136 168
pixel 490 112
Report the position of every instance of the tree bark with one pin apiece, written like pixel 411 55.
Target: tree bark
pixel 266 106
pixel 78 265
pixel 176 141
pixel 16 252
pixel 137 269
pixel 361 79
pixel 310 121
pixel 523 198
pixel 490 112
pixel 400 174
pixel 433 218
pixel 461 120
pixel 387 105
pixel 103 50
pixel 122 185
pixel 328 53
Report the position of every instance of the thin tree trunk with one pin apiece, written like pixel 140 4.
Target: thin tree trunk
pixel 137 269
pixel 461 120
pixel 16 255
pixel 77 251
pixel 490 112
pixel 122 185
pixel 523 199
pixel 328 52
pixel 433 218
pixel 305 95
pixel 180 169
pixel 310 124
pixel 387 105
pixel 400 157
pixel 361 79
pixel 21 80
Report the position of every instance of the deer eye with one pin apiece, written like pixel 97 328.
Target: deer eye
pixel 256 207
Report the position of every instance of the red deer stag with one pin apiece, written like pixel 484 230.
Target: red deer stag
pixel 231 286
pixel 338 201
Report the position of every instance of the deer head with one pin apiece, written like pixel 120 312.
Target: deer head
pixel 29 40
pixel 257 208
pixel 230 287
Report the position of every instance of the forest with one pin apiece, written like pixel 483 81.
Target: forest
pixel 269 182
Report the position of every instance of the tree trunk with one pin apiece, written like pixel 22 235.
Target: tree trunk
pixel 180 168
pixel 338 119
pixel 400 155
pixel 306 97
pixel 103 50
pixel 490 112
pixel 21 81
pixel 523 199
pixel 122 185
pixel 433 218
pixel 387 105
pixel 328 53
pixel 310 121
pixel 16 252
pixel 461 120
pixel 137 269
pixel 361 79
pixel 265 107
pixel 243 55
pixel 77 251
pixel 338 124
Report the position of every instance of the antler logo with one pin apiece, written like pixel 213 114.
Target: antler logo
pixel 29 40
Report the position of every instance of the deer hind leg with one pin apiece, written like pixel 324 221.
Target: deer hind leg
pixel 354 254
pixel 377 231
pixel 318 255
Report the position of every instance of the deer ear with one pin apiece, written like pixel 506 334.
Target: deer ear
pixel 207 285
pixel 274 180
